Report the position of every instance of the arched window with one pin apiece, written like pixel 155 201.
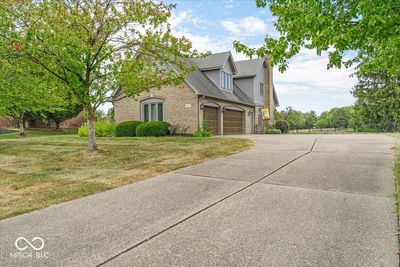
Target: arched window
pixel 152 109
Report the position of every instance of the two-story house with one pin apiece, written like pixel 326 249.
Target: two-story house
pixel 229 95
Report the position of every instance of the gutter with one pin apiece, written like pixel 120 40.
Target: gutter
pixel 243 76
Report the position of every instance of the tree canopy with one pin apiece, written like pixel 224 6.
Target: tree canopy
pixel 369 30
pixel 26 89
pixel 378 102
pixel 93 48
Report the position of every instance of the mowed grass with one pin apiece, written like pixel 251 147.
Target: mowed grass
pixel 42 169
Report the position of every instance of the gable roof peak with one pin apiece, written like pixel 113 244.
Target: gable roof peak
pixel 249 67
pixel 215 61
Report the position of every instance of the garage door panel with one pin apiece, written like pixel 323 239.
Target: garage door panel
pixel 233 122
pixel 210 115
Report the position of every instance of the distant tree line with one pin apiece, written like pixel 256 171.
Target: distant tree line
pixel 377 107
pixel 337 118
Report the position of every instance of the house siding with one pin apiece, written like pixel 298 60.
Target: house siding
pixel 260 77
pixel 247 86
pixel 181 106
pixel 215 76
pixel 227 67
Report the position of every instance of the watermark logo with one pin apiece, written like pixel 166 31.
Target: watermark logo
pixel 29 243
pixel 29 249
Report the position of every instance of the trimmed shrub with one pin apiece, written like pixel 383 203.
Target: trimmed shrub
pixel 282 125
pixel 153 128
pixel 273 131
pixel 127 128
pixel 103 129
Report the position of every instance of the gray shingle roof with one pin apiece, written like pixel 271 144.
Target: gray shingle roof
pixel 204 86
pixel 213 61
pixel 248 68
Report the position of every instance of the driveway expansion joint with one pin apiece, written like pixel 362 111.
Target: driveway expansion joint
pixel 329 190
pixel 211 177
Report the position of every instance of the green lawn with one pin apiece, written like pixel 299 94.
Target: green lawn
pixel 42 168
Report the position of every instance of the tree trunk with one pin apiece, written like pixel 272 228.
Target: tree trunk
pixel 57 126
pixel 91 132
pixel 21 126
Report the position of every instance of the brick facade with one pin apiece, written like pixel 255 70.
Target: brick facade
pixel 180 105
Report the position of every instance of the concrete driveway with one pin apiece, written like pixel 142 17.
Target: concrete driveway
pixel 292 200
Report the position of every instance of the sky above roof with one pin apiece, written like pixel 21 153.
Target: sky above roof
pixel 213 26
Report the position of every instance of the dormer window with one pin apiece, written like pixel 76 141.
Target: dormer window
pixel 226 81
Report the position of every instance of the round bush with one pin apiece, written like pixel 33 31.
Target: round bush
pixel 274 131
pixel 153 128
pixel 127 128
pixel 282 125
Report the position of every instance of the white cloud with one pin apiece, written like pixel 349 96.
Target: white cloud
pixel 215 44
pixel 248 26
pixel 178 20
pixel 204 43
pixel 229 4
pixel 308 75
pixel 309 69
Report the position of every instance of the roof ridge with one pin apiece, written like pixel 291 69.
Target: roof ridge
pixel 220 52
pixel 249 59
pixel 212 54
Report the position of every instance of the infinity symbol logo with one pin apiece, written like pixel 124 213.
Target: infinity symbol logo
pixel 29 243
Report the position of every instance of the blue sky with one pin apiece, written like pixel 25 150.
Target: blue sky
pixel 214 25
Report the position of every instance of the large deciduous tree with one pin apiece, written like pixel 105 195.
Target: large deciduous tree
pixel 370 29
pixel 310 119
pixel 378 102
pixel 70 110
pixel 340 117
pixel 94 47
pixel 25 89
pixel 294 117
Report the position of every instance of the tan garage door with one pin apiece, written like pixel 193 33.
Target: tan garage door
pixel 211 116
pixel 233 122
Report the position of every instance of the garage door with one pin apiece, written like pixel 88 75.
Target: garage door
pixel 211 116
pixel 233 122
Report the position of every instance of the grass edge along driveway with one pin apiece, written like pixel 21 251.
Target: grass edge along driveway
pixel 397 173
pixel 44 169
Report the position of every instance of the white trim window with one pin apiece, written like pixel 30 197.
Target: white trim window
pixel 152 110
pixel 261 88
pixel 226 81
